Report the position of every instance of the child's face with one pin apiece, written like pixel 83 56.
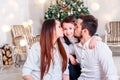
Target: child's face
pixel 68 29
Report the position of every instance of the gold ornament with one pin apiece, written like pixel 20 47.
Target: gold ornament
pixel 66 9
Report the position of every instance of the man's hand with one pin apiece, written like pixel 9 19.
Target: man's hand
pixel 93 41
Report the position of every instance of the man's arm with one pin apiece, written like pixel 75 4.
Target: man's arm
pixel 106 61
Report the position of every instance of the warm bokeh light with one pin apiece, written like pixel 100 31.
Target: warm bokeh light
pixel 53 2
pixel 6 28
pixel 95 6
pixel 11 16
pixel 25 24
pixel 30 22
pixel 42 1
pixel 23 42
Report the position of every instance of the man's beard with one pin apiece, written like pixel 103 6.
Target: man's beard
pixel 79 37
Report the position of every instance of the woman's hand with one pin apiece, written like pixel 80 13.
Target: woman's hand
pixel 28 77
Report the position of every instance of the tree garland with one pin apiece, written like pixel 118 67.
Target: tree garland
pixel 64 8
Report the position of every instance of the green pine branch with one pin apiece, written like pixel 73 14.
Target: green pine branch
pixel 66 8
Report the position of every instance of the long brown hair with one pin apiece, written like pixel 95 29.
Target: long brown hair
pixel 46 43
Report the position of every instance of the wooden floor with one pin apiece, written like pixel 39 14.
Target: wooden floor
pixel 13 73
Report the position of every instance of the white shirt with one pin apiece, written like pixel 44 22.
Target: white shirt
pixel 32 64
pixel 97 63
pixel 72 40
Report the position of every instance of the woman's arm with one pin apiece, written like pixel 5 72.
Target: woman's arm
pixel 31 64
pixel 66 77
pixel 28 77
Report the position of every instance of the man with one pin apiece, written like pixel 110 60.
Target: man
pixel 96 63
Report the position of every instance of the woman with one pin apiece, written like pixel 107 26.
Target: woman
pixel 47 59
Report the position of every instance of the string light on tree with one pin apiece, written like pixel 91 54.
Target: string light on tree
pixel 64 8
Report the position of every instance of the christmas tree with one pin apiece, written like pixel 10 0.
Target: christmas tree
pixel 64 8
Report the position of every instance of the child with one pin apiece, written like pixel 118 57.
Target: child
pixel 68 25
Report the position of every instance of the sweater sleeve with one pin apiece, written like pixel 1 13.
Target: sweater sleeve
pixel 105 58
pixel 33 60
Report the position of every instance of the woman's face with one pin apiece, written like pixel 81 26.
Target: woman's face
pixel 68 29
pixel 58 31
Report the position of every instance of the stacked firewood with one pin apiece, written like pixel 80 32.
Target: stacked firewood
pixel 7 55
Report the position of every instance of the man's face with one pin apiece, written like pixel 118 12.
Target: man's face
pixel 78 28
